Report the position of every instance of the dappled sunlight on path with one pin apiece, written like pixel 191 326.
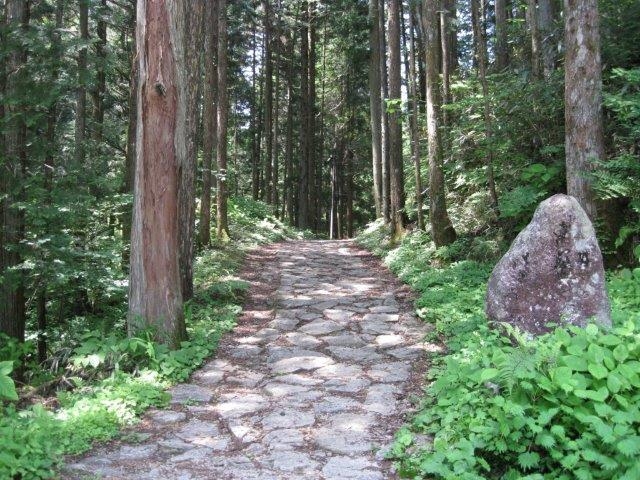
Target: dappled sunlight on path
pixel 311 384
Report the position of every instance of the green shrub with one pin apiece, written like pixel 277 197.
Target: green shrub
pixel 563 406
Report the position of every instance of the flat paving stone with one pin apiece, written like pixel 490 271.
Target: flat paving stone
pixel 310 384
pixel 188 392
pixel 321 327
pixel 347 468
pixel 346 434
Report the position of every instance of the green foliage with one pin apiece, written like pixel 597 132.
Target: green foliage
pixel 7 387
pixel 562 406
pixel 116 378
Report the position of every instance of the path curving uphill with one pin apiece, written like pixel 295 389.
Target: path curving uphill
pixel 311 384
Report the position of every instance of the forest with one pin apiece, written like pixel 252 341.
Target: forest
pixel 148 147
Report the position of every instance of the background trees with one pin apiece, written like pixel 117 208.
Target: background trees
pixel 329 114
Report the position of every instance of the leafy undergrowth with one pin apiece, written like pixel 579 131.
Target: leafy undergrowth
pixel 562 406
pixel 111 379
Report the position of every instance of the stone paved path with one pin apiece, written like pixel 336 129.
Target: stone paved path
pixel 310 385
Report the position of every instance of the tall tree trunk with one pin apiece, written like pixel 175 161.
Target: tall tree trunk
pixel 478 16
pixel 47 174
pixel 268 103
pixel 275 170
pixel 442 230
pixel 395 122
pixel 130 155
pixel 12 289
pixel 155 287
pixel 446 65
pixel 375 103
pixel 288 184
pixel 311 120
pixel 414 131
pixel 210 118
pixel 223 115
pixel 452 28
pixel 384 121
pixel 583 99
pixel 100 87
pixel 193 43
pixel 303 171
pixel 348 194
pixel 536 59
pixel 253 127
pixel 81 90
pixel 546 21
pixel 502 45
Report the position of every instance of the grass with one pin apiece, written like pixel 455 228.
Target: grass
pixel 110 380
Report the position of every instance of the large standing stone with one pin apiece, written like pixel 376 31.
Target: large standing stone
pixel 553 272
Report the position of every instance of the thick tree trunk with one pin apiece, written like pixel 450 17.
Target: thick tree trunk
pixel 395 122
pixel 478 16
pixel 210 118
pixel 100 87
pixel 155 290
pixel 375 103
pixel 583 99
pixel 442 230
pixel 223 116
pixel 502 45
pixel 12 289
pixel 81 90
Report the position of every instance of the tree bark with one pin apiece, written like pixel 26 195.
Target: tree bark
pixel 100 87
pixel 532 20
pixel 288 183
pixel 442 230
pixel 414 110
pixel 130 155
pixel 311 120
pixel 209 146
pixel 47 174
pixel 223 116
pixel 253 125
pixel 546 21
pixel 375 105
pixel 155 287
pixel 478 15
pixel 194 13
pixel 583 100
pixel 81 90
pixel 502 45
pixel 268 103
pixel 384 121
pixel 395 122
pixel 12 288
pixel 303 171
pixel 452 29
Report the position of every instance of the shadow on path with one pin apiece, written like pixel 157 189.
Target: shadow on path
pixel 311 384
